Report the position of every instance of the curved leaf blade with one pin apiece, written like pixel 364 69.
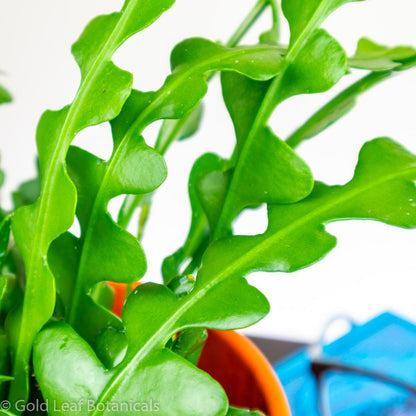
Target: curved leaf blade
pixel 149 369
pixel 107 251
pixel 382 189
pixel 372 56
pixel 192 60
pixel 102 92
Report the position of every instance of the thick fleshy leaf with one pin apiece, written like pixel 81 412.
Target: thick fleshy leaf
pixel 59 350
pixel 282 178
pixel 192 60
pixel 63 259
pixel 382 189
pixel 152 315
pixel 313 63
pixel 106 251
pixel 375 57
pixel 211 187
pixel 103 91
pixel 243 98
pixel 171 131
pixel 154 384
pixel 318 66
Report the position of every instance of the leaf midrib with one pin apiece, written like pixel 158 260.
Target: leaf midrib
pixel 210 64
pixel 166 329
pixel 40 244
pixel 264 113
pixel 195 296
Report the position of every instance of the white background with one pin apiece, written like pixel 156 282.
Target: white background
pixel 373 267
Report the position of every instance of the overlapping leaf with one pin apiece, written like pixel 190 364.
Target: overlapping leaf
pixel 382 189
pixel 313 63
pixel 105 251
pixel 171 131
pixel 108 252
pixel 191 61
pixel 102 92
pixel 151 316
pixel 282 177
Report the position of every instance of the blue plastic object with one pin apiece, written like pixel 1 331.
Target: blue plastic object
pixel 386 344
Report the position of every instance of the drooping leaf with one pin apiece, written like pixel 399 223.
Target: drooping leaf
pixel 103 91
pixel 382 189
pixel 148 368
pixel 375 57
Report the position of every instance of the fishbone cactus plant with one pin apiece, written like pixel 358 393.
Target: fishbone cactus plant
pixel 60 342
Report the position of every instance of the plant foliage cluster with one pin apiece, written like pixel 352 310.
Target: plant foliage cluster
pixel 55 305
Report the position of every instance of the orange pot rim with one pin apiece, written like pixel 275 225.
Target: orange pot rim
pixel 249 353
pixel 261 369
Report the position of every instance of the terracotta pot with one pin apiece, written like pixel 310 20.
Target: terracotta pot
pixel 238 365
